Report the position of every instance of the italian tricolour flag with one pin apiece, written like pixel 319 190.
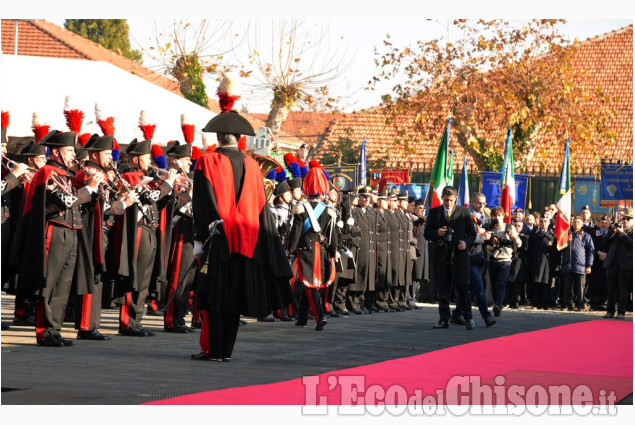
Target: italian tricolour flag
pixel 508 181
pixel 439 175
pixel 564 203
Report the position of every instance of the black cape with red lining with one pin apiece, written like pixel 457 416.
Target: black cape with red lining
pixel 33 270
pixel 248 272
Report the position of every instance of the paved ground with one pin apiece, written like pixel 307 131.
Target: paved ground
pixel 127 370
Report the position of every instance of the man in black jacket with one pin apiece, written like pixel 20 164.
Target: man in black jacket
pixel 619 265
pixel 451 228
pixel 477 261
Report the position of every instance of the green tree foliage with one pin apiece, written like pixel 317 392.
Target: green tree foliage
pixel 110 33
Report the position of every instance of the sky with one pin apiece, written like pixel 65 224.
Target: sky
pixel 354 31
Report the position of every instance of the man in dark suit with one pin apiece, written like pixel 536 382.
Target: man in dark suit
pixel 450 254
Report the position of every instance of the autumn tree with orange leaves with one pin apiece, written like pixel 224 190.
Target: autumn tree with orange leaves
pixel 493 75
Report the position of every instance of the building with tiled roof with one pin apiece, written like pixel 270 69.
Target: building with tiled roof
pixel 38 37
pixel 608 60
pixel 308 126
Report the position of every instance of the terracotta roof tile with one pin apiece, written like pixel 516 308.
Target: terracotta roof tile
pixel 608 59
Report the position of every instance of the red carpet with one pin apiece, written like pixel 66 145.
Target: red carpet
pixel 597 354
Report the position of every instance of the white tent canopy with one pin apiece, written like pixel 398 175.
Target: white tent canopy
pixel 40 84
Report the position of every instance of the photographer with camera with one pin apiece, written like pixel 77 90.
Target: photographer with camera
pixel 452 231
pixel 503 240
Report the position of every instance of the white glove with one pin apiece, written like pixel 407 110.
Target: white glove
pixel 350 221
pixel 198 249
pixel 348 253
pixel 338 255
pixel 340 224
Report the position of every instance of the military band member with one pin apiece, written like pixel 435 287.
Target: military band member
pixel 52 236
pixel 92 240
pixel 181 268
pixel 136 238
pixel 13 200
pixel 314 238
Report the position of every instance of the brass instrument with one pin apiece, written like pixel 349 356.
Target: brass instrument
pixel 181 179
pixel 129 188
pixel 106 185
pixel 11 164
pixel 266 164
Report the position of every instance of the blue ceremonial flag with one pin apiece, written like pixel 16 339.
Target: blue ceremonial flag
pixel 464 190
pixel 361 176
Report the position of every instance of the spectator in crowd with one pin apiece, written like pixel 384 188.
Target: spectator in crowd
pixel 577 259
pixel 501 247
pixel 477 260
pixel 597 278
pixel 619 265
pixel 542 255
pixel 519 274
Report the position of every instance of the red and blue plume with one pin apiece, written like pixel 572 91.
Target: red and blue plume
pixel 303 168
pixel 115 150
pixel 158 157
pixel 288 158
pixel 271 175
pixel 294 169
pixel 315 183
pixel 196 154
pixel 281 175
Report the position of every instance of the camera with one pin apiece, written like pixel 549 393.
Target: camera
pixel 449 232
pixel 620 224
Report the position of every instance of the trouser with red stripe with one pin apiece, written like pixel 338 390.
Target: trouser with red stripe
pixel 310 298
pixel 131 311
pixel 325 293
pixel 218 333
pixel 60 265
pixel 180 279
pixel 88 309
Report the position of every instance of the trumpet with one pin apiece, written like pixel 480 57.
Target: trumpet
pixel 181 178
pixel 105 184
pixel 11 164
pixel 127 188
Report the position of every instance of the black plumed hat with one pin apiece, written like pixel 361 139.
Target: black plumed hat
pixel 139 148
pixel 281 188
pixel 56 138
pixel 100 143
pixel 174 148
pixel 229 123
pixel 32 149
